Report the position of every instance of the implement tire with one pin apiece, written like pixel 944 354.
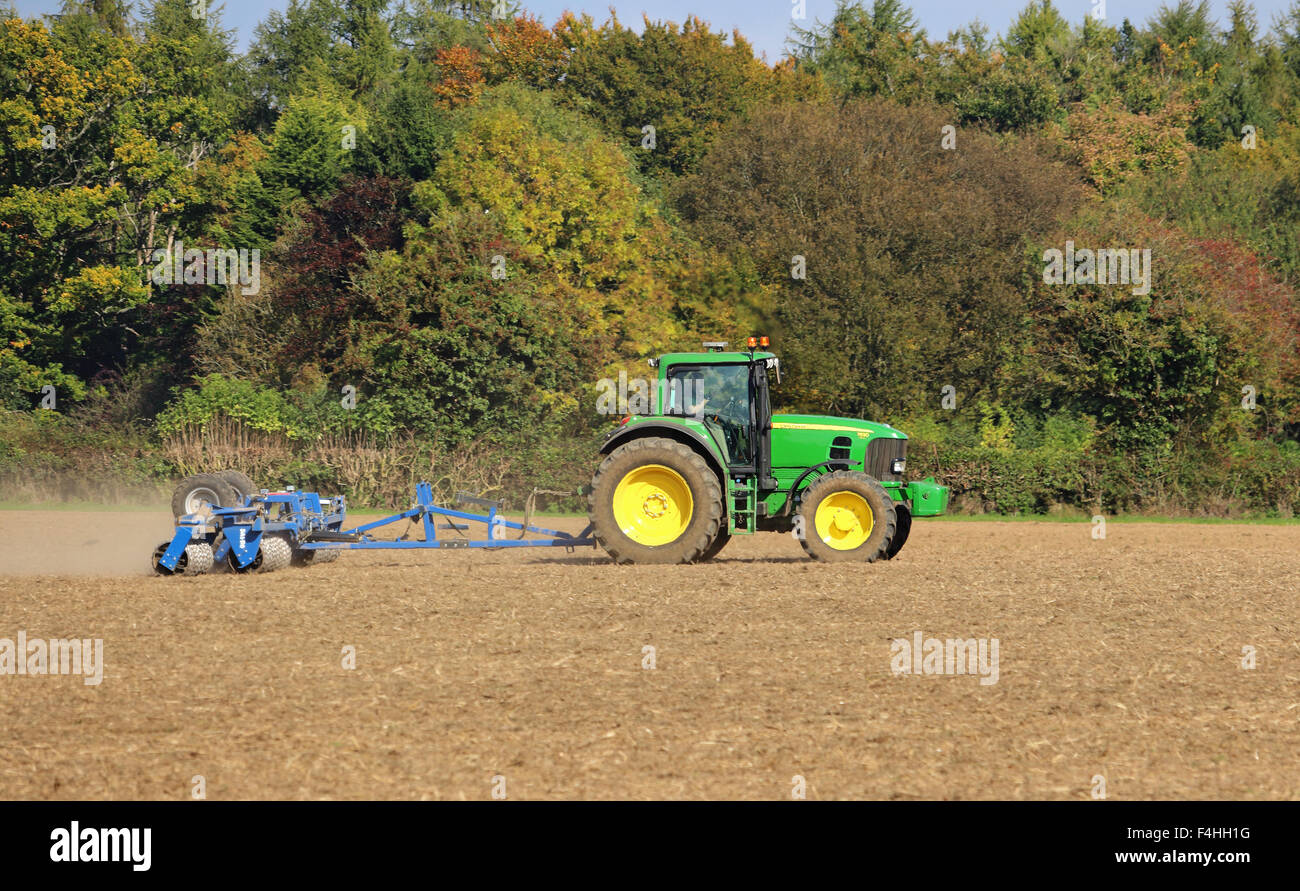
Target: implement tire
pixel 196 559
pixel 202 489
pixel 277 553
pixel 240 482
pixel 315 556
pixel 655 500
pixel 274 552
pixel 847 516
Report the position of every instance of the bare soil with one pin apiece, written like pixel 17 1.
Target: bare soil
pixel 1119 658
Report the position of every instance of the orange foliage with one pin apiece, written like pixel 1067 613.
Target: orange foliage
pixel 525 50
pixel 460 76
pixel 1113 144
pixel 1267 312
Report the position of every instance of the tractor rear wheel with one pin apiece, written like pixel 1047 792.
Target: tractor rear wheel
pixel 718 544
pixel 655 500
pixel 901 530
pixel 202 491
pixel 847 516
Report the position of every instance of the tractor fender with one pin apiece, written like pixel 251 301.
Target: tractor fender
pixel 832 465
pixel 684 435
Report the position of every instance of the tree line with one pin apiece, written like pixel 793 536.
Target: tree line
pixel 463 218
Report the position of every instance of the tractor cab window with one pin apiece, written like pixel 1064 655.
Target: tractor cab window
pixel 718 395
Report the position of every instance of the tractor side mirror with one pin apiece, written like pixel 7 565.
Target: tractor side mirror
pixel 775 364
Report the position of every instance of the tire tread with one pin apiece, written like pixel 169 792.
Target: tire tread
pixel 834 482
pixel 622 549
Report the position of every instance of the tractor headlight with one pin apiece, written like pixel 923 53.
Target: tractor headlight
pixel 898 465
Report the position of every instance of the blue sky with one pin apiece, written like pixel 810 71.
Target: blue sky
pixel 766 23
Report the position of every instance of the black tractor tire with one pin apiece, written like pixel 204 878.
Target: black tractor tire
pixel 883 517
pixel 902 528
pixel 705 492
pixel 718 544
pixel 200 489
pixel 240 482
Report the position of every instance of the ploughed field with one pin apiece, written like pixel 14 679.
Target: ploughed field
pixel 1119 658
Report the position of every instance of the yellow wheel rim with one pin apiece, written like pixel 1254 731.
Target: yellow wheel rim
pixel 844 520
pixel 652 505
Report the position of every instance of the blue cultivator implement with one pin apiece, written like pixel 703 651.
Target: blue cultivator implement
pixel 271 530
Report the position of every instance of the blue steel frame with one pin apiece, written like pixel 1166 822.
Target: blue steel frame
pixel 426 510
pixel 237 531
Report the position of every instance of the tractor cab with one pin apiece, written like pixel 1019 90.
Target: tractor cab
pixel 728 393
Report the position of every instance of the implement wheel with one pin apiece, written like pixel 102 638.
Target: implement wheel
pixel 199 493
pixel 655 500
pixel 847 516
pixel 240 482
pixel 195 560
pixel 274 553
pixel 315 556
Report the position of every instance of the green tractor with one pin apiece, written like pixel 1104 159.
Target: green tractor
pixel 709 460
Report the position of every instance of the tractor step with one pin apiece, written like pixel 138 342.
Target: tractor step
pixel 741 509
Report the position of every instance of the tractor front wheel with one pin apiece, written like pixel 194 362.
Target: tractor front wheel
pixel 847 515
pixel 655 500
pixel 902 529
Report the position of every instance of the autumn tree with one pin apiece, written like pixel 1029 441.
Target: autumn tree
pixel 889 266
pixel 104 137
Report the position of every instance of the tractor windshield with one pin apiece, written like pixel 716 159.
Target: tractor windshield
pixel 718 395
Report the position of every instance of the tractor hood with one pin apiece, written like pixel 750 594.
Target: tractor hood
pixel 829 425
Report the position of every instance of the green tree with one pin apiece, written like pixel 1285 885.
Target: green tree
pixel 314 141
pixel 888 266
pixel 104 137
pixel 684 81
pixel 559 190
pixel 869 52
pixel 1039 33
pixel 1161 367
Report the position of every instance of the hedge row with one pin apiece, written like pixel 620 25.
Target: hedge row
pixel 44 457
